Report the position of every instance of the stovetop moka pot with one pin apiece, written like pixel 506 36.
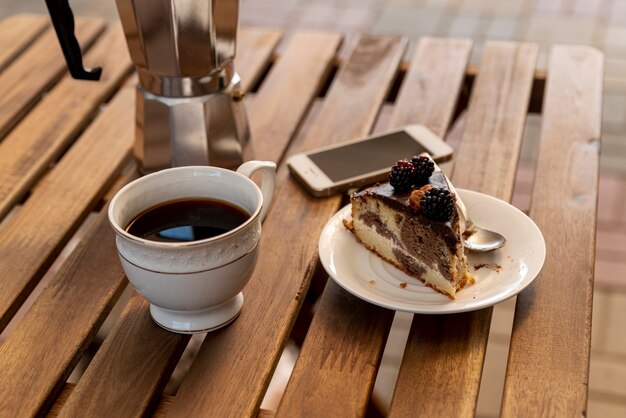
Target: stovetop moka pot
pixel 189 101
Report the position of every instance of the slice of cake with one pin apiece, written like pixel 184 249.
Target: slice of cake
pixel 413 223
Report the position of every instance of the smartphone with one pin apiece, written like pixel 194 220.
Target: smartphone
pixel 364 161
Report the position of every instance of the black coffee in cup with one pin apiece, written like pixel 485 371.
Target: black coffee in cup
pixel 187 220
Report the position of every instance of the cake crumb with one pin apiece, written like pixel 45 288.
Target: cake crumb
pixel 492 266
pixel 403 285
pixel 348 224
pixel 372 282
pixel 469 232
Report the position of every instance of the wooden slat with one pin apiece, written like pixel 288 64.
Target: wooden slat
pixel 35 235
pixel 496 134
pixel 292 84
pixel 254 53
pixel 348 112
pixel 246 353
pixel 42 351
pixel 338 362
pixel 98 395
pixel 51 126
pixel 139 341
pixel 32 73
pixel 548 369
pixel 167 401
pixel 161 410
pixel 337 366
pixel 430 90
pixel 39 353
pixel 17 33
pixel 442 364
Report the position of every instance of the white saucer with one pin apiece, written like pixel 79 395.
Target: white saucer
pixel 503 274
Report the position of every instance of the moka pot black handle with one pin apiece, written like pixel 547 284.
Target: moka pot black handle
pixel 63 22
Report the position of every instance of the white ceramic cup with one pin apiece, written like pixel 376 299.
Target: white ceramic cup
pixel 193 286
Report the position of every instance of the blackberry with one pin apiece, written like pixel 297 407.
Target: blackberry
pixel 401 176
pixel 438 204
pixel 424 168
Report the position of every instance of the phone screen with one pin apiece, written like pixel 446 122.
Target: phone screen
pixel 366 156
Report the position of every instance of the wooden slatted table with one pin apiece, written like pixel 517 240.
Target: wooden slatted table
pixel 65 148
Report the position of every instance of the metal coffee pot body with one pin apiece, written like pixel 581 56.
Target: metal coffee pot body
pixel 189 101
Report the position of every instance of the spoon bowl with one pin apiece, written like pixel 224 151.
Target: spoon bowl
pixel 476 238
pixel 482 240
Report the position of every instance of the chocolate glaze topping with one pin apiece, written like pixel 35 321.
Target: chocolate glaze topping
pixel 400 201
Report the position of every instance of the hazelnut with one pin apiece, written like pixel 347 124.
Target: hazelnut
pixel 416 197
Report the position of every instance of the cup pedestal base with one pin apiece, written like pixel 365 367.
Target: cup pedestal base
pixel 196 322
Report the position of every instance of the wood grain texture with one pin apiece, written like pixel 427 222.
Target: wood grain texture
pixel 354 99
pixel 55 122
pixel 161 410
pixel 42 351
pixel 338 363
pixel 37 69
pixel 254 53
pixel 35 235
pixel 136 350
pixel 246 353
pixel 288 91
pixel 430 89
pixel 127 391
pixel 495 120
pixel 167 401
pixel 443 359
pixel 548 369
pixel 17 33
pixel 442 366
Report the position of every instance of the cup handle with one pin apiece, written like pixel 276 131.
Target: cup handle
pixel 268 180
